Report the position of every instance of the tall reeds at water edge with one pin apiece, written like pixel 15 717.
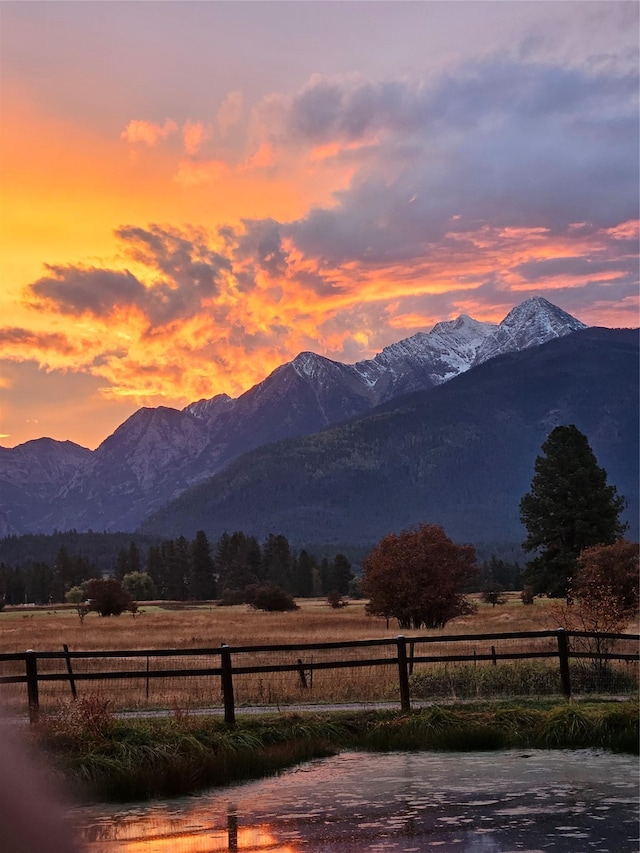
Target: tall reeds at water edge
pixel 107 758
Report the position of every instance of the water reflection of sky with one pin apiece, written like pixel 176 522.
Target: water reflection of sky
pixel 566 801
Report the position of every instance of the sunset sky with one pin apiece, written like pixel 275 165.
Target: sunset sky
pixel 194 192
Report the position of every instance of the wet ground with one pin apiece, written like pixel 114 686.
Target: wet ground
pixel 564 800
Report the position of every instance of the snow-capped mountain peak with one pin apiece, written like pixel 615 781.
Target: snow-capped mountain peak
pixel 309 365
pixel 158 453
pixel 444 352
pixel 529 324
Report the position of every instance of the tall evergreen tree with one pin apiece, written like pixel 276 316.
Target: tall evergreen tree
pixel 278 562
pixel 156 570
pixel 303 571
pixel 341 574
pixel 237 561
pixel 570 507
pixel 202 582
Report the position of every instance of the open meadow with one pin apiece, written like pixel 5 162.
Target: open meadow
pixel 207 627
pixel 164 626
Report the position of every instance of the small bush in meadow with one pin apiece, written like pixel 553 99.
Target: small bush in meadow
pixel 272 598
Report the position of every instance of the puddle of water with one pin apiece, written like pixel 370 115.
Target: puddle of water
pixel 561 801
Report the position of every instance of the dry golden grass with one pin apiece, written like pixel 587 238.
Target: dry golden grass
pixel 207 627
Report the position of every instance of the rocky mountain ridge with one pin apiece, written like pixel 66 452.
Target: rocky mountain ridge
pixel 158 453
pixel 461 455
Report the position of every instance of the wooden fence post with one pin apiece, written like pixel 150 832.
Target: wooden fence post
pixel 302 674
pixel 72 681
pixel 227 685
pixel 31 666
pixel 403 675
pixel 563 655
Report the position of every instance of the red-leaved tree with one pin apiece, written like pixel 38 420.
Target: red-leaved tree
pixel 418 578
pixel 606 585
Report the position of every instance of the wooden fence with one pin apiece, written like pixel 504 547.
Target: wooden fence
pixel 226 665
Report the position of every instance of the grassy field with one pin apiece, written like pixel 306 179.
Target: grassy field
pixel 106 757
pixel 208 626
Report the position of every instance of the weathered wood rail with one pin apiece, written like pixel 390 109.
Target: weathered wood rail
pixel 227 663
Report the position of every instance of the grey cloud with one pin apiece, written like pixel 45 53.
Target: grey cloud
pixel 251 342
pixel 75 290
pixel 187 261
pixel 261 242
pixel 577 266
pixel 528 156
pixel 351 109
pixel 27 338
pixel 189 272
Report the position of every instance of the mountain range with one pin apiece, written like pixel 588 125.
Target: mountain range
pixel 160 454
pixel 461 455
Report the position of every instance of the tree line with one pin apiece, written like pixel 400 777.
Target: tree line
pixel 418 577
pixel 181 570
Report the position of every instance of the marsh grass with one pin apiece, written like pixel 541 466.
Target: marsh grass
pixel 118 760
pixel 107 758
pixel 519 678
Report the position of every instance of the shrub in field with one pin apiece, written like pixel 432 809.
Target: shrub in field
pixel 493 594
pixel 108 597
pixel 335 599
pixel 272 598
pixel 527 595
pixel 231 597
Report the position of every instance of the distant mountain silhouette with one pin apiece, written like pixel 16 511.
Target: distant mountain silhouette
pixel 460 455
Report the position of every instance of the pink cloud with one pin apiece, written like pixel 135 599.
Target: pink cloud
pixel 148 132
pixel 194 133
pixel 230 111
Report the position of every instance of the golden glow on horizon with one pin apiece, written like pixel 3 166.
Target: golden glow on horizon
pixel 66 187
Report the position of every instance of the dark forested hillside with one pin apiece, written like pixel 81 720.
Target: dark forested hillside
pixel 461 455
pixel 101 549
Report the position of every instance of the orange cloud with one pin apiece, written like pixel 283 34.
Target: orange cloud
pixel 192 173
pixel 148 132
pixel 194 134
pixel 262 159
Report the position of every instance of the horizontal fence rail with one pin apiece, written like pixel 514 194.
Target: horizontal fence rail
pixel 400 669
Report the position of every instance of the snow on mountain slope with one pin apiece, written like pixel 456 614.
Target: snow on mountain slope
pixel 447 350
pixel 529 324
pixel 160 452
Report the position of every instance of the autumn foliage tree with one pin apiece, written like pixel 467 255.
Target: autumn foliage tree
pixel 418 578
pixel 108 597
pixel 605 585
pixel 603 599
